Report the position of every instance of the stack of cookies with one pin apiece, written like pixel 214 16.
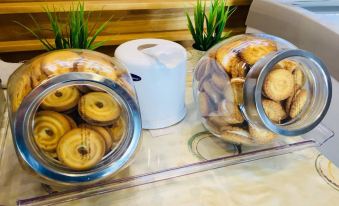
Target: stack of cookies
pixel 78 128
pixel 220 79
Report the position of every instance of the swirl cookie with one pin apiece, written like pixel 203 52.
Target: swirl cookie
pixel 98 108
pixel 98 64
pixel 71 121
pixel 274 110
pixel 23 88
pixel 49 127
pixel 256 49
pixel 278 84
pixel 298 103
pixel 59 62
pixel 62 99
pixel 261 136
pixel 118 129
pixel 81 148
pixel 37 76
pixel 104 134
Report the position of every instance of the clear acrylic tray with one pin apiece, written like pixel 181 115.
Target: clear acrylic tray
pixel 183 149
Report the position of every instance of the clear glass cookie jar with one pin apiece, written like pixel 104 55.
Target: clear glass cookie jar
pixel 252 88
pixel 74 117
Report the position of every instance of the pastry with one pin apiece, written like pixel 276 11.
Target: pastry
pixel 98 108
pixel 278 84
pixel 59 62
pixel 274 110
pixel 49 127
pixel 261 136
pixel 104 134
pixel 204 104
pixel 117 129
pixel 298 103
pixel 99 64
pixel 71 121
pixel 62 99
pixel 81 148
pixel 237 87
pixel 256 49
pixel 23 88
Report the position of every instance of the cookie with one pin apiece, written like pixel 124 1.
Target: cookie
pixel 274 110
pixel 99 108
pixel 287 64
pixel 278 84
pixel 62 99
pixel 237 137
pixel 212 92
pixel 204 104
pixel 218 82
pixel 36 73
pixel 238 87
pixel 99 64
pixel 59 62
pixel 23 88
pixel 81 149
pixel 48 128
pixel 261 136
pixel 288 103
pixel 256 49
pixel 298 103
pixel 117 129
pixel 299 78
pixel 230 112
pixel 71 121
pixel 104 134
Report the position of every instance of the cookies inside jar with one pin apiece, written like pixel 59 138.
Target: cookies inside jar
pixel 285 91
pixel 79 126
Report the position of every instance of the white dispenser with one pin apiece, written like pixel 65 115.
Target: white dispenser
pixel 158 68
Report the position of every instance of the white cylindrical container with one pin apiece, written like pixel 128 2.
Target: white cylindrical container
pixel 158 68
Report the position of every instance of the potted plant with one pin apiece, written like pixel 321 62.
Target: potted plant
pixel 207 29
pixel 72 33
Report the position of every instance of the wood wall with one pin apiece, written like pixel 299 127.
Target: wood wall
pixel 132 19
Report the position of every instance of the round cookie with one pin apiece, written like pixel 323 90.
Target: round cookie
pixel 71 121
pixel 299 78
pixel 261 136
pixel 230 112
pixel 81 148
pixel 298 103
pixel 37 75
pixel 278 84
pixel 237 136
pixel 103 132
pixel 118 129
pixel 59 62
pixel 238 89
pixel 274 110
pixel 48 128
pixel 99 64
pixel 62 99
pixel 23 88
pixel 286 64
pixel 98 108
pixel 204 104
pixel 256 49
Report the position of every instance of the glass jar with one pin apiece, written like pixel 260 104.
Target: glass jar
pixel 74 117
pixel 252 88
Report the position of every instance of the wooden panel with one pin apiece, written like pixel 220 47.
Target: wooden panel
pixel 98 5
pixel 131 19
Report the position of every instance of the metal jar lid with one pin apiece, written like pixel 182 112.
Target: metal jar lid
pixel 109 165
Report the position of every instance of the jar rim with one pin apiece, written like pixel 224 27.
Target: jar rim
pixel 271 61
pixel 125 150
